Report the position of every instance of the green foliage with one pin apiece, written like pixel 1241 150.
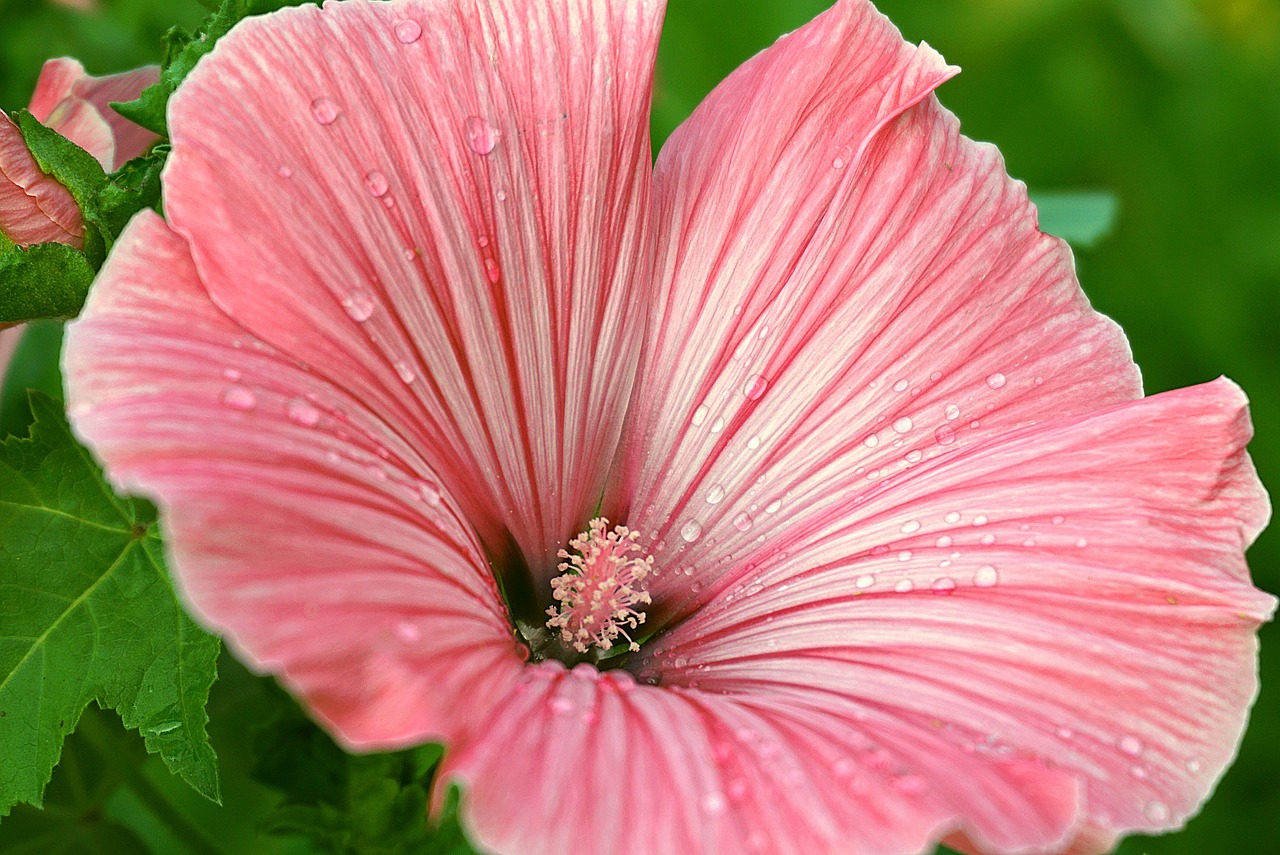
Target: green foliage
pixel 89 614
pixel 48 280
pixel 361 804
pixel 1082 218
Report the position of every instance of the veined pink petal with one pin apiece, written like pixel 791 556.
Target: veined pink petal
pixel 439 207
pixel 850 287
pixel 1072 595
pixel 300 525
pixel 77 105
pixel 33 207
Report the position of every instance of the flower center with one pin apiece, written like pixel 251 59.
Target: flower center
pixel 599 595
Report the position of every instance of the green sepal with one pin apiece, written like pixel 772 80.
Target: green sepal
pixel 89 614
pixel 75 169
pixel 47 280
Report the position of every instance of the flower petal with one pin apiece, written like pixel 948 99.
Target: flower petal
pixel 850 287
pixel 298 525
pixel 1073 594
pixel 78 106
pixel 34 208
pixel 440 207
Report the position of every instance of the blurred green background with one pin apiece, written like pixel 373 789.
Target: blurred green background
pixel 1172 105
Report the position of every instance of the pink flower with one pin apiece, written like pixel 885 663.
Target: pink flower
pixel 35 208
pixel 912 556
pixel 77 105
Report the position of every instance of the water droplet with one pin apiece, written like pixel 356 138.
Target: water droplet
pixel 240 399
pixel 715 495
pixel 986 577
pixel 407 632
pixel 952 412
pixel 405 371
pixel 952 518
pixel 914 457
pixel 903 425
pixel 1138 772
pixel 753 443
pixel 481 136
pixel 910 527
pixel 358 304
pixel 231 375
pixel 1082 543
pixel 987 539
pixel 904 555
pixel 866 580
pixel 980 520
pixel 943 542
pixel 755 388
pixel 717 425
pixel 407 32
pixel 1193 766
pixel 944 585
pixel 945 435
pixel 997 380
pixel 429 492
pixel 699 415
pixel 376 183
pixel 901 385
pixel 753 589
pixel 1066 733
pixel 1058 520
pixel 742 522
pixel 325 111
pixel 714 803
pixel 303 413
pixel 1130 745
pixel 502 195
pixel 772 507
pixel 284 172
pixel 1157 812
pixel 492 271
pixel 838 163
pixel 691 531
pixel 872 441
pixel 904 586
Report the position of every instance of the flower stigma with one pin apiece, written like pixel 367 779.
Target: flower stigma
pixel 599 594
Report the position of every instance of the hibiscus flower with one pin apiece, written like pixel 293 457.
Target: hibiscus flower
pixel 785 496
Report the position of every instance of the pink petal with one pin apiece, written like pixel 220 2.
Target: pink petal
pixel 1071 598
pixel 582 762
pixel 850 288
pixel 440 207
pixel 300 524
pixel 77 105
pixel 33 207
pixel 9 338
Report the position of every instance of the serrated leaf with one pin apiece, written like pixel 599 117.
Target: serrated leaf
pixel 1080 217
pixel 88 613
pixel 48 280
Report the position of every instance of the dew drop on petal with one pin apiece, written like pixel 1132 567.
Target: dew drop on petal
pixel 904 586
pixel 714 803
pixel 376 183
pixel 405 371
pixel 987 539
pixel 303 413
pixel 284 172
pixel 742 522
pixel 944 585
pixel 980 520
pixel 429 492
pixel 481 136
pixel 717 425
pixel 952 518
pixel 407 32
pixel 231 375
pixel 903 425
pixel 715 495
pixel 1130 745
pixel 986 577
pixel 943 542
pixel 1193 766
pixel 753 443
pixel 772 507
pixel 1157 811
pixel 691 531
pixel 239 399
pixel 910 527
pixel 945 435
pixel 358 305
pixel 996 381
pixel 914 457
pixel 871 441
pixel 1082 543
pixel 755 388
pixel 699 415
pixel 324 111
pixel 837 163
pixel 492 271
pixel 866 580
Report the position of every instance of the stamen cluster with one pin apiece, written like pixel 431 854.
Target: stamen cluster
pixel 598 594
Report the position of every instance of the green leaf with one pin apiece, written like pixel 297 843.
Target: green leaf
pixel 366 804
pixel 48 280
pixel 89 614
pixel 1081 217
